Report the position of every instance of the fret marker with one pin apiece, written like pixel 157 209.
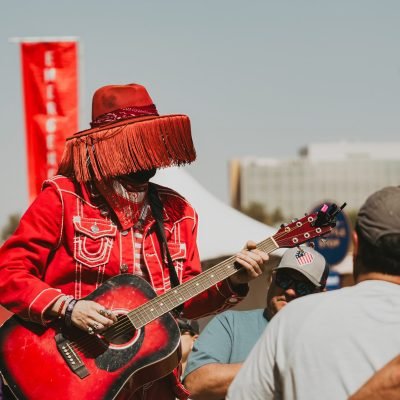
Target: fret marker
pixel 212 276
pixel 229 266
pixel 161 304
pixel 151 309
pixel 180 298
pixel 197 284
pixel 175 291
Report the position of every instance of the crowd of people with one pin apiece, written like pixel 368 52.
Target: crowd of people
pixel 101 217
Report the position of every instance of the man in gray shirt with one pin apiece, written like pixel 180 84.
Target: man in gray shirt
pixel 224 344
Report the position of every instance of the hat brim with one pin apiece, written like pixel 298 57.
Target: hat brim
pixel 127 146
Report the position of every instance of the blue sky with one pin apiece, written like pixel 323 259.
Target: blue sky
pixel 257 78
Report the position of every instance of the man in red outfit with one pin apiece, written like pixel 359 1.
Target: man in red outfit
pixel 94 221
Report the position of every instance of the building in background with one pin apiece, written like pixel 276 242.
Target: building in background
pixel 338 172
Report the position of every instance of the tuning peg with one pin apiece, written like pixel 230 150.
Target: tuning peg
pixel 312 245
pixel 337 209
pixel 282 226
pixel 305 214
pixel 295 219
pixel 333 210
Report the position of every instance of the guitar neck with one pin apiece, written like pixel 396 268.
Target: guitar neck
pixel 178 295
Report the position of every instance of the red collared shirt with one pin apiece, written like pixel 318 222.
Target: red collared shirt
pixel 68 244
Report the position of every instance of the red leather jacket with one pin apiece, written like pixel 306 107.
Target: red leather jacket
pixel 67 243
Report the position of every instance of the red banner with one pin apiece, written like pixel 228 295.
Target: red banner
pixel 50 83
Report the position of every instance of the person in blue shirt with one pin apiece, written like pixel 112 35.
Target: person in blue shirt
pixel 224 344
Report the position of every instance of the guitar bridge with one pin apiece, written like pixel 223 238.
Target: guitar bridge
pixel 70 356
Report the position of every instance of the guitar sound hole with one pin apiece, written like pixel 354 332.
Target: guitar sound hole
pixel 122 332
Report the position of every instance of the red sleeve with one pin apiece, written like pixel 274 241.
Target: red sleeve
pixel 218 297
pixel 23 258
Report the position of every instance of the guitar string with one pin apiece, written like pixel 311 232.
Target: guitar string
pixel 198 280
pixel 125 326
pixel 120 327
pixel 216 270
pixel 142 312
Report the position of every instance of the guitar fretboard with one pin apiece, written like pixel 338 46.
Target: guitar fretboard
pixel 178 295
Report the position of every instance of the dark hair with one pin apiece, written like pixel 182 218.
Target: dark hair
pixel 382 256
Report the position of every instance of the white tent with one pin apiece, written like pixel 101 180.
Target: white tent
pixel 223 230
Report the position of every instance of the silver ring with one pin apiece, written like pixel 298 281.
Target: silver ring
pixel 104 312
pixel 95 326
pixel 90 330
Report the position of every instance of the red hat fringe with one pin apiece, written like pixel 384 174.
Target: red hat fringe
pixel 131 146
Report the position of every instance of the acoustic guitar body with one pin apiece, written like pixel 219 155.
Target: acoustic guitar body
pixel 55 363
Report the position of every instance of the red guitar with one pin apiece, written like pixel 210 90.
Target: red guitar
pixel 55 362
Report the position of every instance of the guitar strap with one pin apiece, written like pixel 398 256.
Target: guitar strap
pixel 157 211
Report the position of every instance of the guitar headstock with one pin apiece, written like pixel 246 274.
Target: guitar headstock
pixel 308 227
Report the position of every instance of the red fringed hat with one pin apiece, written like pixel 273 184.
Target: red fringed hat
pixel 127 135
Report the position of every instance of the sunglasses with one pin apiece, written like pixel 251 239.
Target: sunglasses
pixel 285 281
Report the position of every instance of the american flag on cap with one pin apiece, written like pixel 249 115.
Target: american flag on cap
pixel 303 257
